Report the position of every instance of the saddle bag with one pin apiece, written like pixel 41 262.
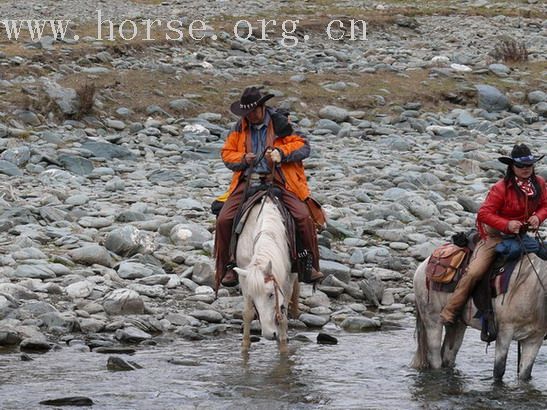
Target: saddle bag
pixel 444 263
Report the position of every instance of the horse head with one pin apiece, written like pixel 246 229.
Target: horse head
pixel 262 288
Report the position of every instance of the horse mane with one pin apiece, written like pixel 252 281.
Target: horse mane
pixel 269 236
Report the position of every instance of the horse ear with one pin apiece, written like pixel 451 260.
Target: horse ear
pixel 268 271
pixel 241 272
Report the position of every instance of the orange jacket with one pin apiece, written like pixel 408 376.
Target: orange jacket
pixel 294 149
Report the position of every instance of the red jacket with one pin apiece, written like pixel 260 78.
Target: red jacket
pixel 505 203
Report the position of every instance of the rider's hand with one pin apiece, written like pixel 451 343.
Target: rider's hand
pixel 533 221
pixel 249 158
pixel 514 226
pixel 274 155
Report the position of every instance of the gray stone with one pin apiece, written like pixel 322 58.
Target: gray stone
pixel 154 291
pixel 189 234
pixel 501 70
pixel 134 270
pixel 203 274
pixel 66 98
pixel 9 169
pixel 91 254
pixel 536 97
pixel 333 113
pixel 80 289
pixel 340 271
pixel 123 302
pixel 107 150
pixel 33 272
pixel 491 99
pixel 18 156
pixel 124 241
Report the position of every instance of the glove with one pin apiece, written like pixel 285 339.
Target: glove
pixel 275 155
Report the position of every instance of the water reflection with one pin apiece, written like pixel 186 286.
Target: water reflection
pixel 363 371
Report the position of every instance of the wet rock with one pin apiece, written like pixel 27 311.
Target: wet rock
pixel 131 335
pixel 211 316
pixel 115 363
pixel 68 401
pixel 114 350
pixel 34 346
pixel 313 320
pixel 360 324
pixel 326 339
pixel 9 337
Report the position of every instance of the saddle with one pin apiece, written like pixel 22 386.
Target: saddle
pixel 301 260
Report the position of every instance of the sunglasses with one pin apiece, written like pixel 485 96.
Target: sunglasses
pixel 523 165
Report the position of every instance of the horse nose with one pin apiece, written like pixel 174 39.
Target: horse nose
pixel 275 335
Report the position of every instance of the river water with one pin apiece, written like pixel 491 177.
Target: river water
pixel 363 371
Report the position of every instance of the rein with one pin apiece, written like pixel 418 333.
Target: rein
pixel 530 259
pixel 277 291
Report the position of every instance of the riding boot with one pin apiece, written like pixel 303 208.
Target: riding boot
pixel 482 258
pixel 458 298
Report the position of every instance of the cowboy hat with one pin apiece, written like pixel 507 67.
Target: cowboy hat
pixel 520 155
pixel 250 99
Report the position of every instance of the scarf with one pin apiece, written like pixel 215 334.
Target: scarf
pixel 525 186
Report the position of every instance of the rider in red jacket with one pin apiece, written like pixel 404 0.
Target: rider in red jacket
pixel 516 202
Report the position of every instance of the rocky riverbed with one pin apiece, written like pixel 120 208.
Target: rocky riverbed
pixel 105 231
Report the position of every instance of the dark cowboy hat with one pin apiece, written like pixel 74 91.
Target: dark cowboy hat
pixel 520 154
pixel 250 99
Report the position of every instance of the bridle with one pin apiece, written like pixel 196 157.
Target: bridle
pixel 280 309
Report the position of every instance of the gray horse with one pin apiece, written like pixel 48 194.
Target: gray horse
pixel 520 315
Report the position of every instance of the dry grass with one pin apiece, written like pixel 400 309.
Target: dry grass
pixel 510 51
pixel 86 97
pixel 137 89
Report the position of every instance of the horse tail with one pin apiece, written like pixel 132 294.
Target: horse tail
pixel 295 296
pixel 420 361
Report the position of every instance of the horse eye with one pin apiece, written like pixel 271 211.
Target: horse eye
pixel 270 295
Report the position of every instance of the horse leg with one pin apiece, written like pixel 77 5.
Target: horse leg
pixel 295 295
pixel 530 348
pixel 248 316
pixel 452 343
pixel 283 337
pixel 505 335
pixel 434 338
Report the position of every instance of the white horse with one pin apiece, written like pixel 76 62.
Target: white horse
pixel 520 315
pixel 266 281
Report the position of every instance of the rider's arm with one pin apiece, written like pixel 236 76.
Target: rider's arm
pixel 488 212
pixel 232 157
pixel 295 147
